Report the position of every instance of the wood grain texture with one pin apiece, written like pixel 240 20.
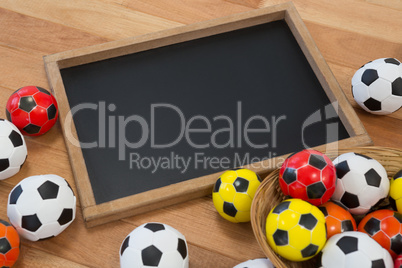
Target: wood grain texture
pixel 347 32
pixel 99 18
pixel 394 4
pixel 186 11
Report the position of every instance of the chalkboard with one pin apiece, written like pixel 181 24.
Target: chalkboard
pixel 162 117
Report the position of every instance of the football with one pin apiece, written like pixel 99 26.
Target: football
pixel 41 207
pixel 395 192
pixel 154 245
pixel 398 262
pixel 385 227
pixel 13 150
pixel 308 175
pixel 295 230
pixel 362 182
pixel 9 245
pixel 256 263
pixel 377 86
pixel 354 249
pixel 233 193
pixel 337 219
pixel 33 110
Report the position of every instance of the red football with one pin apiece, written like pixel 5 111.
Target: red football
pixel 33 110
pixel 398 262
pixel 309 175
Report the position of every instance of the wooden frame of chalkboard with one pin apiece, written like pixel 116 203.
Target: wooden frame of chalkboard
pixel 96 213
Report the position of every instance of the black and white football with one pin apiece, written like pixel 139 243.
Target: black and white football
pixel 154 245
pixel 41 207
pixel 377 86
pixel 354 249
pixel 362 182
pixel 13 150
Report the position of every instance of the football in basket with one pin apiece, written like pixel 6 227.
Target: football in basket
pixel 308 175
pixel 354 249
pixel 296 230
pixel 362 182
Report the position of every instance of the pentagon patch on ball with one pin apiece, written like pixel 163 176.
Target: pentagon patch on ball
pixel 154 245
pixel 377 86
pixel 41 207
pixel 13 150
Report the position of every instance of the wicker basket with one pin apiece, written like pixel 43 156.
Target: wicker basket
pixel 269 195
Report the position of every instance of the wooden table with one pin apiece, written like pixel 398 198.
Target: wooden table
pixel 348 33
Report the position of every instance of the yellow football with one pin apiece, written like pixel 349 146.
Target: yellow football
pixel 395 192
pixel 295 230
pixel 233 193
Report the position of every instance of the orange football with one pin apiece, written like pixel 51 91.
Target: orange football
pixel 9 244
pixel 337 219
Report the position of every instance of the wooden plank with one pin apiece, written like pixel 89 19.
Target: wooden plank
pixel 384 131
pixel 36 39
pixel 202 257
pixel 16 61
pixel 105 20
pixel 346 47
pixel 31 257
pixel 351 16
pixel 393 4
pixel 186 11
pixel 250 3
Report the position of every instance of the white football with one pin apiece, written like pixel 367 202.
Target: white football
pixel 154 245
pixel 361 183
pixel 377 86
pixel 354 249
pixel 13 150
pixel 41 207
pixel 256 263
